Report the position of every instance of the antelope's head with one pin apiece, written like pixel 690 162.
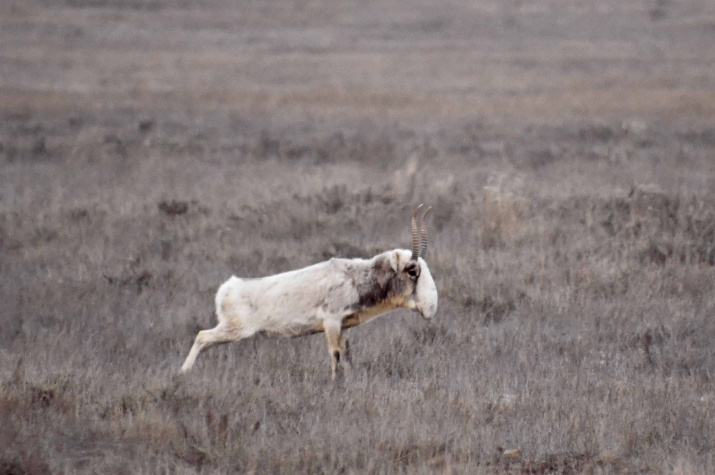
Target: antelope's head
pixel 413 269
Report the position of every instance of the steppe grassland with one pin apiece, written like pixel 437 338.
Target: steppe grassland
pixel 149 151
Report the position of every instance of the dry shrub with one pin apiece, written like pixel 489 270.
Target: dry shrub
pixel 502 212
pixel 173 207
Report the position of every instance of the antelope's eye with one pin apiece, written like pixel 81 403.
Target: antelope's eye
pixel 413 272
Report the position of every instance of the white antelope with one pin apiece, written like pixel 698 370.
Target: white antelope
pixel 327 297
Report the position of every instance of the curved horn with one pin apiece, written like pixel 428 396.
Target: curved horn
pixel 423 233
pixel 415 236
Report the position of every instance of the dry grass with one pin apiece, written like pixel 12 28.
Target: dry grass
pixel 574 257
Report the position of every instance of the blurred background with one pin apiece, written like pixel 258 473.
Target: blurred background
pixel 151 149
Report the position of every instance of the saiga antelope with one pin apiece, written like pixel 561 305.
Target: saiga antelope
pixel 329 297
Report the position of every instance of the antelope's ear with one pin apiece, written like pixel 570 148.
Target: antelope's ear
pixel 395 260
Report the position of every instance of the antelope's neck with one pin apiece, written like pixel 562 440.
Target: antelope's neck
pixel 368 313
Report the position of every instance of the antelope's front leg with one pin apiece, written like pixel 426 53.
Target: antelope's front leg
pixel 345 345
pixel 332 335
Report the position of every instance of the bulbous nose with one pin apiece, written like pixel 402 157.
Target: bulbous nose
pixel 428 313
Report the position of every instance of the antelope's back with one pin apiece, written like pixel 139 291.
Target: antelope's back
pixel 290 303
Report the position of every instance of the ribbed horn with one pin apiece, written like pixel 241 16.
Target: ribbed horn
pixel 423 233
pixel 415 236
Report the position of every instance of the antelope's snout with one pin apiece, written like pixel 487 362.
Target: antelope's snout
pixel 425 295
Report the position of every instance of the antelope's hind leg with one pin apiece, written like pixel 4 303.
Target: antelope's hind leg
pixel 222 333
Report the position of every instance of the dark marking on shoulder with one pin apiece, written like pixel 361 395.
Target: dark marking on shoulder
pixel 377 283
pixel 371 295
